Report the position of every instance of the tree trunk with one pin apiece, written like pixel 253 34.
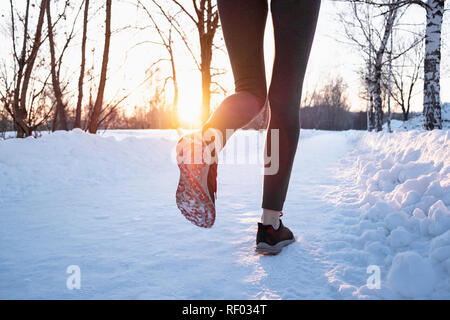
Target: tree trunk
pixel 432 118
pixel 24 73
pixel 174 112
pixel 378 103
pixel 406 114
pixel 390 85
pixel 60 107
pixel 18 117
pixel 206 55
pixel 77 123
pixel 30 65
pixel 95 117
pixel 206 95
pixel 370 115
pixel 55 121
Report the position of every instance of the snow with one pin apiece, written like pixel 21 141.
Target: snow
pixel 400 237
pixel 417 121
pixel 440 247
pixel 106 204
pixel 411 275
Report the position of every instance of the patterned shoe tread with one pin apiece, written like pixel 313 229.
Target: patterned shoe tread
pixel 192 196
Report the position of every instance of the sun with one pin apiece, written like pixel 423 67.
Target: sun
pixel 189 105
pixel 189 114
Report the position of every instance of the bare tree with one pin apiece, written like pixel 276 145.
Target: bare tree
pixel 98 106
pixel 373 42
pixel 24 63
pixel 389 85
pixel 77 123
pixel 166 38
pixel 60 105
pixel 370 113
pixel 205 18
pixel 327 108
pixel 434 9
pixel 405 75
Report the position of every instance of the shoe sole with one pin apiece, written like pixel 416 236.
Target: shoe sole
pixel 266 249
pixel 192 195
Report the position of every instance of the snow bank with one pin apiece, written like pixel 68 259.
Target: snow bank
pixel 415 123
pixel 405 200
pixel 411 275
pixel 70 158
pixel 445 111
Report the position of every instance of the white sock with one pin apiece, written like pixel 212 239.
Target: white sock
pixel 275 223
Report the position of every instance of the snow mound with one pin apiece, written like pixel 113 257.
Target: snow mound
pixel 440 247
pixel 404 193
pixel 415 123
pixel 69 158
pixel 411 275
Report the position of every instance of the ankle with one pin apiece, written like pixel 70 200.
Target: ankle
pixel 271 217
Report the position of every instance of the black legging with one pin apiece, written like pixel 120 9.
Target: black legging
pixel 243 22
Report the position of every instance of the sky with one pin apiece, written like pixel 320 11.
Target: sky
pixel 128 61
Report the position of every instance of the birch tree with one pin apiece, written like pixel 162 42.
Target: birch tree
pixel 377 81
pixel 434 10
pixel 372 39
pixel 432 118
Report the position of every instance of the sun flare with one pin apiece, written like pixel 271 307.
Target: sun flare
pixel 189 105
pixel 189 114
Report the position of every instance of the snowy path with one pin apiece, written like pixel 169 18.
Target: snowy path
pixel 299 271
pixel 112 213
